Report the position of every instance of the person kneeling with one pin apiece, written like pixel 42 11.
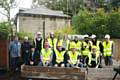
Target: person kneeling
pixel 33 58
pixel 94 60
pixel 74 58
pixel 46 55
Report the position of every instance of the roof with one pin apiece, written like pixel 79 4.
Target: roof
pixel 44 11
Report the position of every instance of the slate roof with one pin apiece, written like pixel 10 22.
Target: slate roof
pixel 44 11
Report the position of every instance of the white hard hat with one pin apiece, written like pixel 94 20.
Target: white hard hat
pixel 26 37
pixel 93 36
pixel 51 32
pixel 86 36
pixel 38 32
pixel 107 36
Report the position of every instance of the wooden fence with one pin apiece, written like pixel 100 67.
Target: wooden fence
pixel 117 49
pixel 4 56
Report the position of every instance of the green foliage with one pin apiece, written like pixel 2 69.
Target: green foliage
pixel 99 23
pixel 21 35
pixel 5 30
pixel 65 30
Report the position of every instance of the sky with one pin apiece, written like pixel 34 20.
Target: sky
pixel 21 4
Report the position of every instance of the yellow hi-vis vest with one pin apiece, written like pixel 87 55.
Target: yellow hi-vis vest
pixel 52 44
pixel 107 48
pixel 59 56
pixel 73 57
pixel 98 48
pixel 77 45
pixel 86 50
pixel 46 55
pixel 92 59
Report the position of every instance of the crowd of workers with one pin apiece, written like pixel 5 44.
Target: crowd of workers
pixel 62 51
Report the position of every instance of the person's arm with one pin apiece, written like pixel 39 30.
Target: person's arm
pixel 101 47
pixel 68 58
pixel 113 48
pixel 51 56
pixel 98 63
pixel 19 46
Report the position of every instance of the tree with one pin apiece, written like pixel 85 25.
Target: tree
pixel 99 23
pixel 7 5
pixel 115 3
pixel 70 7
pixel 4 30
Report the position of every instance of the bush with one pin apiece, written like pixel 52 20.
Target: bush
pixel 65 30
pixel 99 23
pixel 21 35
pixel 5 30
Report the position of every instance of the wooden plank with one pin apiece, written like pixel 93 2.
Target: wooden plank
pixel 4 60
pixel 52 73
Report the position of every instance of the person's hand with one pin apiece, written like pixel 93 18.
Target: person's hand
pixel 31 62
pixel 96 67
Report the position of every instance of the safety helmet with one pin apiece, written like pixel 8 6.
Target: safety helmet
pixel 26 37
pixel 59 44
pixel 93 36
pixel 86 36
pixel 107 36
pixel 38 33
pixel 73 45
pixel 94 47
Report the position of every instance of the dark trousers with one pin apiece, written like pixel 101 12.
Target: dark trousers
pixel 14 63
pixel 108 60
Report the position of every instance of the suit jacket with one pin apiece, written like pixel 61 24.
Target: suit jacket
pixel 35 58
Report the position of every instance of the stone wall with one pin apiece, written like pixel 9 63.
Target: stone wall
pixel 34 24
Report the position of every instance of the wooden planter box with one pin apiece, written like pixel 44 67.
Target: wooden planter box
pixel 52 73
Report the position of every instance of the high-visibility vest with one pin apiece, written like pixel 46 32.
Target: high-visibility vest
pixel 86 50
pixel 107 48
pixel 73 56
pixel 77 45
pixel 97 45
pixel 92 59
pixel 59 56
pixel 46 55
pixel 52 44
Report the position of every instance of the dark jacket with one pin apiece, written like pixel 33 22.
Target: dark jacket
pixel 25 49
pixel 38 44
pixel 35 58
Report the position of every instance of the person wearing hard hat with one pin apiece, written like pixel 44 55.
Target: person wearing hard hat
pixel 86 47
pixel 46 55
pixel 52 40
pixel 93 58
pixel 25 49
pixel 108 50
pixel 77 43
pixel 74 57
pixel 99 46
pixel 59 55
pixel 38 41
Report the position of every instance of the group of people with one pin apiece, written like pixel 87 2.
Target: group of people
pixel 62 51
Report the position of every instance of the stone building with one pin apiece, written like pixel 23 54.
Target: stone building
pixel 41 19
